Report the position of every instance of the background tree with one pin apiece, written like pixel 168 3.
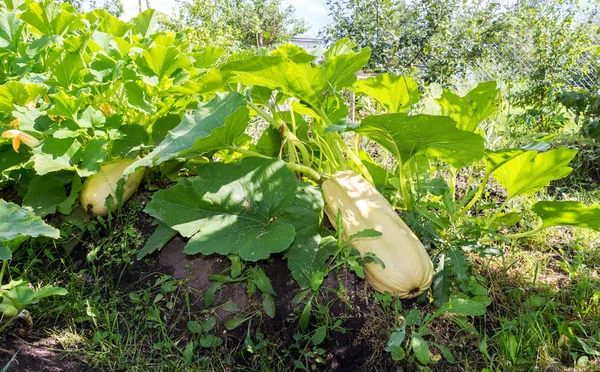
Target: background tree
pixel 236 23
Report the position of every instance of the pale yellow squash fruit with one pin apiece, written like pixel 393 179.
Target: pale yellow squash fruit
pixel 99 186
pixel 408 268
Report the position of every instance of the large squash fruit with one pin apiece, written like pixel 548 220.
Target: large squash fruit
pixel 99 186
pixel 408 269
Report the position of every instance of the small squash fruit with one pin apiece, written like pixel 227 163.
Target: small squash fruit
pixel 408 268
pixel 99 186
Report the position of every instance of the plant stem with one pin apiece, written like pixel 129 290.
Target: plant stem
pixel 2 271
pixel 475 197
pixel 514 236
pixel 403 185
pixel 291 166
pixel 495 215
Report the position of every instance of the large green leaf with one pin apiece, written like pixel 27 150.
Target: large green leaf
pixel 394 93
pixel 56 154
pixel 306 255
pixel 162 61
pixel 469 111
pixel 530 171
pixel 11 28
pixel 299 79
pixel 66 68
pixel 108 23
pixel 568 213
pixel 15 221
pixel 45 194
pixel 145 23
pixel 227 109
pixel 49 18
pixel 16 93
pixel 231 208
pixel 434 136
pixel 496 159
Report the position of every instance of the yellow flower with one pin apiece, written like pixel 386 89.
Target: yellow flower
pixel 14 123
pixel 18 137
pixel 107 109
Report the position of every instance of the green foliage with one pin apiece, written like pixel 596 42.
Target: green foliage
pixel 234 24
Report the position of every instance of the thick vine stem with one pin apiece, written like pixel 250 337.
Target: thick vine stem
pixel 285 130
pixel 340 141
pixel 294 167
pixel 403 186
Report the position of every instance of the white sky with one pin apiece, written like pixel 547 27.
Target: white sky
pixel 313 11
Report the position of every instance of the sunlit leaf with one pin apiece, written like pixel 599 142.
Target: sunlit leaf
pixel 434 136
pixel 568 213
pixel 530 171
pixel 473 108
pixel 394 93
pixel 15 221
pixel 231 208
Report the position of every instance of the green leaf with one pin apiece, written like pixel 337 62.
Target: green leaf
pixel 319 336
pixel 66 207
pixel 462 307
pixel 94 154
pixel 162 62
pixel 398 353
pixel 48 18
pixel 56 154
pixel 445 352
pixel 412 318
pixel 50 291
pixel 197 126
pixel 138 98
pixel 396 338
pixel 108 23
pixel 207 58
pixel 91 118
pixel 269 142
pixel 309 251
pixel 194 327
pixel 231 208
pixel 5 254
pixel 460 268
pixel 495 159
pixel 531 171
pixel 293 52
pixel 299 79
pixel 395 93
pixel 434 136
pixel 163 125
pixel 420 348
pixel 441 282
pixel 159 238
pixel 268 305
pixel 130 140
pixel 15 221
pixel 44 195
pixel 66 105
pixel 16 93
pixel 469 111
pixel 367 233
pixel 66 68
pixel 568 213
pixel 261 281
pixel 145 23
pixel 235 322
pixel 11 29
